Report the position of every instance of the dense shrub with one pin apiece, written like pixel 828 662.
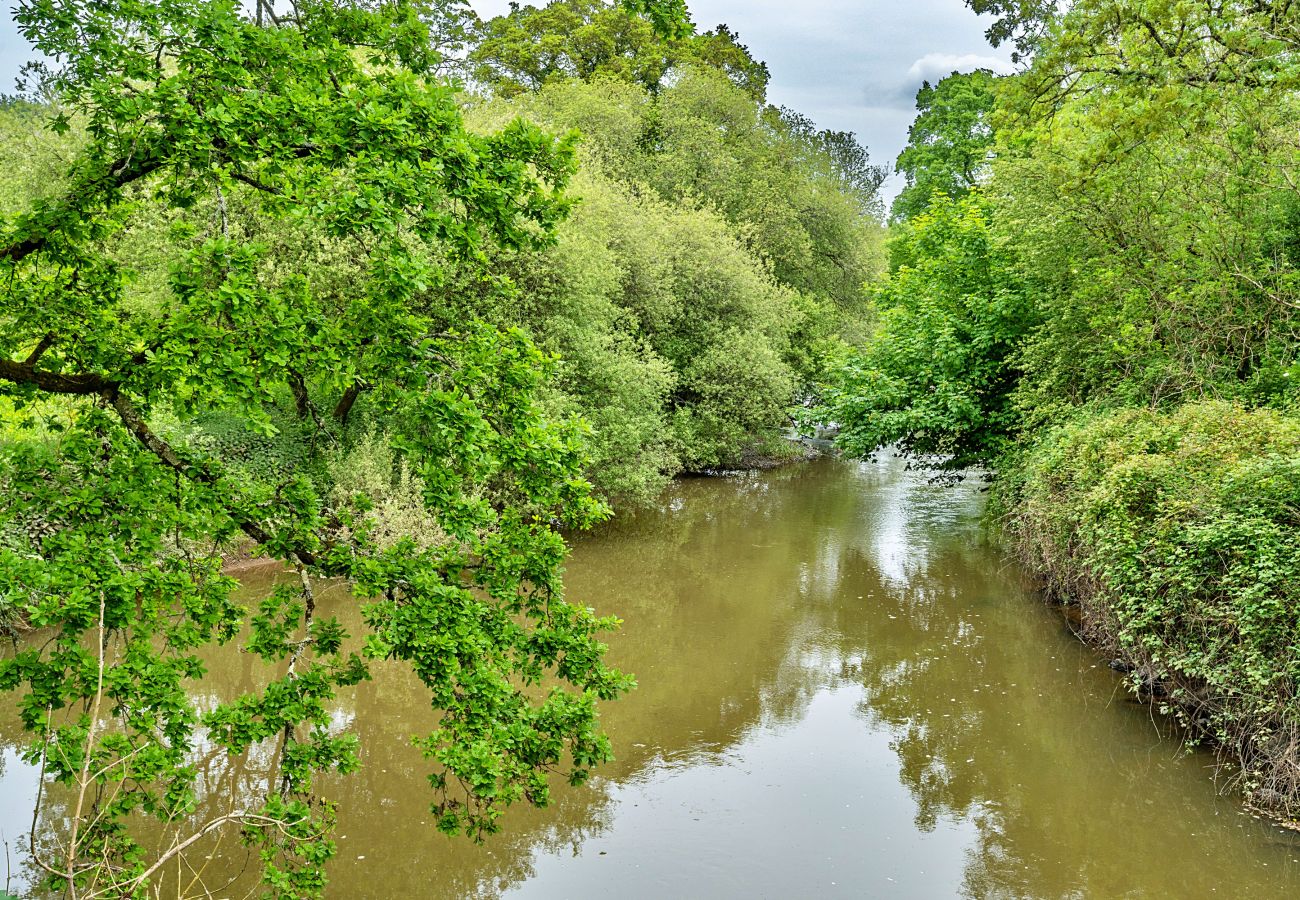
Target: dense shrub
pixel 1179 533
pixel 673 340
pixel 712 265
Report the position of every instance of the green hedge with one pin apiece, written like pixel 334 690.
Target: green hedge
pixel 1179 534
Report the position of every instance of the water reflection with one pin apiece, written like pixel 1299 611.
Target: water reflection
pixel 842 692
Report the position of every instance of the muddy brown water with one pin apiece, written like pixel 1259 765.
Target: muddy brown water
pixel 843 692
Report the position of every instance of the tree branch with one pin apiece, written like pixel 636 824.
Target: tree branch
pixel 85 385
pixel 136 424
pixel 254 183
pixel 346 402
pixel 45 344
pixel 77 383
pixel 118 175
pixel 301 399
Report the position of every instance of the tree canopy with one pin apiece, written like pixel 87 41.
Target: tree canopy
pixel 184 266
pixel 936 376
pixel 949 143
pixel 713 263
pixel 533 46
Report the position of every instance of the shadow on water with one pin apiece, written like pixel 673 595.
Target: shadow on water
pixel 843 691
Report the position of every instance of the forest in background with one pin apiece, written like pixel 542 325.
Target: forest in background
pixel 1094 293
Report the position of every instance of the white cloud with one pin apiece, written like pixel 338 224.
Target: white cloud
pixel 935 66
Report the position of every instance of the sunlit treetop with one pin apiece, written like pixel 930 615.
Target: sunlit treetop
pixel 530 47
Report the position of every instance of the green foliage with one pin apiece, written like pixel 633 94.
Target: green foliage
pixel 262 284
pixel 1179 533
pixel 803 200
pixel 733 388
pixel 253 452
pixel 372 485
pixel 1158 225
pixel 949 142
pixel 1128 51
pixel 785 187
pixel 1144 185
pixel 673 340
pixel 233 259
pixel 669 17
pixel 937 375
pixel 1023 23
pixel 530 47
pixel 686 329
pixel 721 49
pixel 31 155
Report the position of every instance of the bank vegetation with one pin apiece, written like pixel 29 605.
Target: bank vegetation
pixel 1094 291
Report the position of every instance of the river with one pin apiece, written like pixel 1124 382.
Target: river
pixel 843 692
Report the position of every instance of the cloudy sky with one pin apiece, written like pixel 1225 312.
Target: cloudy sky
pixel 851 65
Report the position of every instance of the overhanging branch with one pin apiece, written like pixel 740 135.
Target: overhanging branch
pixel 77 384
pixel 118 175
pixel 167 454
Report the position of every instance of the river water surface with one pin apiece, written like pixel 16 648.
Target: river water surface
pixel 843 692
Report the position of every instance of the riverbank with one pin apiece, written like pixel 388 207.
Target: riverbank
pixel 241 556
pixel 785 451
pixel 1177 537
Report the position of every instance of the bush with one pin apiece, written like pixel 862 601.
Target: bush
pixel 1179 533
pixel 370 483
pixel 674 340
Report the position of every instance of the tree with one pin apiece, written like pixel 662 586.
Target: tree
pixel 585 39
pixel 197 125
pixel 1025 23
pixel 531 46
pixel 848 161
pixel 1146 178
pixel 1148 50
pixel 937 376
pixel 799 194
pixel 949 143
pixel 721 49
pixel 714 239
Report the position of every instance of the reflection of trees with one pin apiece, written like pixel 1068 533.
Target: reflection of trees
pixel 224 783
pixel 714 589
pixel 741 602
